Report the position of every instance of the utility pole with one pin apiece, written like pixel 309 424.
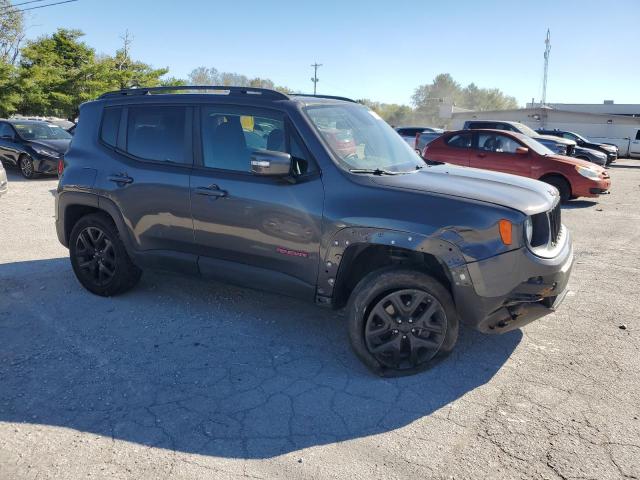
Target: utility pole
pixel 314 79
pixel 547 53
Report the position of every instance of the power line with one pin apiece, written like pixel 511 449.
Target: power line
pixel 7 7
pixel 314 79
pixel 42 6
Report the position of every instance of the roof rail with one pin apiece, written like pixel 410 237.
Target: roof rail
pixel 330 97
pixel 229 90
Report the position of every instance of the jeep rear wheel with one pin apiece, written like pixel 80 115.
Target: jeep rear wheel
pixel 401 321
pixel 99 258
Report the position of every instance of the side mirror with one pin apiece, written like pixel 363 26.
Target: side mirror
pixel 522 150
pixel 270 164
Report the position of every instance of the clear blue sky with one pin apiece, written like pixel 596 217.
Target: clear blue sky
pixel 380 50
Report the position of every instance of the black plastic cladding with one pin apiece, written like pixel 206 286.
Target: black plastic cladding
pixel 347 237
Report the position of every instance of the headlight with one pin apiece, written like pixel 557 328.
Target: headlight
pixel 47 152
pixel 588 172
pixel 528 229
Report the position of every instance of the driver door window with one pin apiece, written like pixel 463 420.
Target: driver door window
pixel 230 135
pixel 490 142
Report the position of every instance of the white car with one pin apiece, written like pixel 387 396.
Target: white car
pixel 4 184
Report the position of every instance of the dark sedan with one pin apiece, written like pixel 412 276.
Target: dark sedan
pixel 611 151
pixel 33 146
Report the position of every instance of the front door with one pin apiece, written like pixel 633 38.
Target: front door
pixel 634 146
pixel 493 151
pixel 254 230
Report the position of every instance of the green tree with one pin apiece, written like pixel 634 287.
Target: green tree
pixel 56 74
pixel 9 97
pixel 445 90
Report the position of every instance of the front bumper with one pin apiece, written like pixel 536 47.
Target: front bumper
pixel 510 290
pixel 46 165
pixel 590 188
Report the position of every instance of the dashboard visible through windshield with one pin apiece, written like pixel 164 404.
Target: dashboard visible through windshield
pixel 361 141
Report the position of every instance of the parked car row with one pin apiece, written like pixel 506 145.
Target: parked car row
pixel 518 154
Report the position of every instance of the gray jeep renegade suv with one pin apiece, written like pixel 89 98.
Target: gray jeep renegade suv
pixel 315 197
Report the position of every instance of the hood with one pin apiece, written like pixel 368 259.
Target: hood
pixel 520 193
pixel 590 151
pixel 574 161
pixel 60 146
pixel 562 141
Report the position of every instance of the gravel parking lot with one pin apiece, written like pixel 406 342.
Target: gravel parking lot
pixel 181 378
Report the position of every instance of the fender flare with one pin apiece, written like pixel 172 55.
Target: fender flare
pixel 70 199
pixel 446 252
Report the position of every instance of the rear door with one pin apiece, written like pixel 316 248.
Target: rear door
pixel 146 174
pixel 249 229
pixel 634 146
pixel 454 149
pixel 494 151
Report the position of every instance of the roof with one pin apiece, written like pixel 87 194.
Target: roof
pixel 224 90
pixel 25 121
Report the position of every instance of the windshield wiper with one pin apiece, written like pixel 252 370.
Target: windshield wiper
pixel 374 171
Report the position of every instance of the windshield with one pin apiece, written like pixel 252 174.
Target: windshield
pixel 579 137
pixel 41 131
pixel 526 130
pixel 535 145
pixel 361 140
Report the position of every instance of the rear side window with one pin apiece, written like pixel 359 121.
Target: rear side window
pixel 110 125
pixel 638 135
pixel 462 140
pixel 158 133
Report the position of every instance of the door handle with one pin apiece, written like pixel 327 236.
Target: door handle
pixel 482 155
pixel 211 191
pixel 121 178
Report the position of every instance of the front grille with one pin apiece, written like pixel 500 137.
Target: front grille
pixel 546 227
pixel 555 223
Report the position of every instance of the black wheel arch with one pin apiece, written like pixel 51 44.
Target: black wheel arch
pixel 72 206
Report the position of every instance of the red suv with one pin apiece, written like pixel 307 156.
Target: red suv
pixel 514 153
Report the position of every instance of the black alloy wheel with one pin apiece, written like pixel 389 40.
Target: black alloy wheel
pixel 405 329
pixel 96 256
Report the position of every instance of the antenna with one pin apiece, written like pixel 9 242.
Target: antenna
pixel 547 53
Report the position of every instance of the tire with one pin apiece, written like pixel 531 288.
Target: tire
pixel 99 258
pixel 25 165
pixel 562 185
pixel 417 344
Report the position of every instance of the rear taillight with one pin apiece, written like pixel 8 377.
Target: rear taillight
pixel 60 166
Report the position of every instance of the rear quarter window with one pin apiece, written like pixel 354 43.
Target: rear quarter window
pixel 461 140
pixel 110 125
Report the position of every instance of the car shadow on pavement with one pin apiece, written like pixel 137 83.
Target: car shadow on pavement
pixel 575 204
pixel 206 368
pixel 13 175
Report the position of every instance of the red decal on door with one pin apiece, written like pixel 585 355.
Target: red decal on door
pixel 291 253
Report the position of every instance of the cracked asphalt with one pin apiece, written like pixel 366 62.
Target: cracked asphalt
pixel 182 378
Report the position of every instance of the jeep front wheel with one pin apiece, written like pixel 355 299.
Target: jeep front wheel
pixel 99 258
pixel 401 321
